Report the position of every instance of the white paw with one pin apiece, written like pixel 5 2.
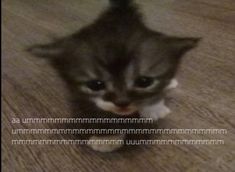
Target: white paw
pixel 156 111
pixel 173 84
pixel 162 111
pixel 106 143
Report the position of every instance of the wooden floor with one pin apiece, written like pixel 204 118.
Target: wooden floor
pixel 204 99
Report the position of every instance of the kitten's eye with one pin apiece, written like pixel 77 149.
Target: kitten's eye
pixel 143 82
pixel 96 85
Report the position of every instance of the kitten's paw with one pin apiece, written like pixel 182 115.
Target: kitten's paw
pixel 106 143
pixel 156 111
pixel 173 84
pixel 163 111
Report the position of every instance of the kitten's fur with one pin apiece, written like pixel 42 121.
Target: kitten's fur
pixel 117 49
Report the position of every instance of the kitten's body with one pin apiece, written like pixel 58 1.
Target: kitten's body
pixel 117 66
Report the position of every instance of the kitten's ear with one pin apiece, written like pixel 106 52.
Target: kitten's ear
pixel 182 45
pixel 46 50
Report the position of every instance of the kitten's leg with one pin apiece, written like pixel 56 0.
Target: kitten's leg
pixel 106 147
pixel 156 111
pixel 173 84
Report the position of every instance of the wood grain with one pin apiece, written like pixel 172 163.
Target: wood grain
pixel 204 99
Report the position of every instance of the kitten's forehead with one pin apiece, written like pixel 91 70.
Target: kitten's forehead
pixel 115 61
pixel 153 57
pixel 88 65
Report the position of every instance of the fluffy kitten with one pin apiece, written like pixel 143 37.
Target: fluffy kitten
pixel 117 66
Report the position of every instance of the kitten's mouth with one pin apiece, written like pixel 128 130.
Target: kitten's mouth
pixel 110 107
pixel 124 111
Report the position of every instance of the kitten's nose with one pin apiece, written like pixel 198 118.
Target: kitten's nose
pixel 122 103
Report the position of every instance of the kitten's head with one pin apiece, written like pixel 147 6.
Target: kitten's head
pixel 119 70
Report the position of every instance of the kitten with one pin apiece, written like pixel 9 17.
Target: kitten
pixel 117 66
